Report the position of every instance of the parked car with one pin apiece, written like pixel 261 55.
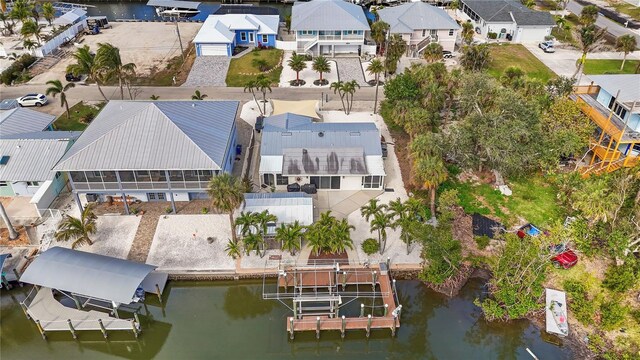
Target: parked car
pixel 563 256
pixel 72 78
pixel 32 100
pixel 447 54
pixel 259 123
pixel 547 47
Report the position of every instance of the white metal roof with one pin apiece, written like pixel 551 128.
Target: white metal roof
pixel 21 120
pixel 87 274
pixel 375 165
pixel 416 16
pixel 328 15
pixel 220 28
pixel 627 84
pixel 147 135
pixel 271 164
pixel 70 17
pixel 287 207
pixel 31 159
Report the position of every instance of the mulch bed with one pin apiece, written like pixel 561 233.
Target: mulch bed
pixel 320 83
pixel 342 258
pixel 297 82
pixel 22 240
pixel 401 147
pixel 373 82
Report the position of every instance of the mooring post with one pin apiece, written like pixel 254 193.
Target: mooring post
pixel 159 293
pixel 388 263
pixel 133 327
pixel 76 301
pixel 344 280
pixel 17 274
pixel 24 309
pixel 344 326
pixel 374 275
pixel 291 328
pixel 361 310
pixel 317 327
pixel 393 328
pixel 399 308
pixel 368 325
pixel 73 331
pixel 41 329
pixel 394 286
pixel 386 309
pixel 102 328
pixel 135 316
pixel 295 308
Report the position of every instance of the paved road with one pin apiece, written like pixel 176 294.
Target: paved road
pixel 613 27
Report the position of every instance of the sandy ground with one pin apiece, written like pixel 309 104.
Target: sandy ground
pixel 147 45
pixel 114 237
pixel 308 75
pixel 180 243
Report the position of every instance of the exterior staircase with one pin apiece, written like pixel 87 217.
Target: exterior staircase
pixel 303 48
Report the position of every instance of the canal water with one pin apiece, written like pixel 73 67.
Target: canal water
pixel 229 320
pixel 139 10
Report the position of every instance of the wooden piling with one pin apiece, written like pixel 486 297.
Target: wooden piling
pixel 135 316
pixel 368 325
pixel 393 328
pixel 5 283
pixel 317 327
pixel 374 280
pixel 17 274
pixel 73 331
pixel 386 309
pixel 104 331
pixel 159 293
pixel 133 327
pixel 361 310
pixel 344 280
pixel 41 330
pixel 24 309
pixel 291 330
pixel 344 326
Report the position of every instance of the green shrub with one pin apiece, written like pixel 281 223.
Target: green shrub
pixel 619 278
pixel 168 210
pixel 612 314
pixel 16 72
pixel 482 241
pixel 492 35
pixel 581 306
pixel 204 210
pixel 370 246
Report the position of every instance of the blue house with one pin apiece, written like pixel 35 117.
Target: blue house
pixel 220 34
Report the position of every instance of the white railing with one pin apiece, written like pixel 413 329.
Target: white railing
pixel 52 45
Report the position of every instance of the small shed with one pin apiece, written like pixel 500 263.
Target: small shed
pixel 484 226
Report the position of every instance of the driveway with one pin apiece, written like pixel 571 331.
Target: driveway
pixel 349 68
pixel 208 71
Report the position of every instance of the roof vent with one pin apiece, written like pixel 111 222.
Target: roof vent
pixel 4 160
pixel 321 134
pixel 354 133
pixel 193 104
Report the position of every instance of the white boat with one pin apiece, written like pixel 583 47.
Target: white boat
pixel 556 312
pixel 176 12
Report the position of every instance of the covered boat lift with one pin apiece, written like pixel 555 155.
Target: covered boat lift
pixel 90 280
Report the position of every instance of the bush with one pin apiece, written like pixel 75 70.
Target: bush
pixel 581 306
pixel 619 278
pixel 370 246
pixel 482 241
pixel 492 35
pixel 168 210
pixel 16 71
pixel 204 210
pixel 612 314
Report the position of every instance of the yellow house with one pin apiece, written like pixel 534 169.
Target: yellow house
pixel 612 102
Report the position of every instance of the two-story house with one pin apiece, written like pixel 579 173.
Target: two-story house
pixel 328 27
pixel 220 34
pixel 612 102
pixel 420 24
pixel 152 151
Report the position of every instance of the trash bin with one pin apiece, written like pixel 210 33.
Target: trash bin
pixel 238 149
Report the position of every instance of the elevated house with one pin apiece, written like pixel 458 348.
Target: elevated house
pixel 612 102
pixel 152 151
pixel 507 20
pixel 220 34
pixel 331 156
pixel 421 24
pixel 329 27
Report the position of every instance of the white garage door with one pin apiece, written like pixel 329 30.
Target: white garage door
pixel 347 49
pixel 213 50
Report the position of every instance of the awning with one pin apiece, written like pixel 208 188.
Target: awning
pixel 304 107
pixel 70 17
pixel 91 275
pixel 174 4
pixel 270 164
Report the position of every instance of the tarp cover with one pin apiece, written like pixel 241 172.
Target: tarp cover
pixel 87 274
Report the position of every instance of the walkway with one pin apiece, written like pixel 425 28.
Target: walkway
pixel 208 71
pixel 349 68
pixel 343 202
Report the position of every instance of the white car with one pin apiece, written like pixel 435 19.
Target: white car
pixel 547 46
pixel 32 100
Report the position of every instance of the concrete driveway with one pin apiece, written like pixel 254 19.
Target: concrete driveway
pixel 209 71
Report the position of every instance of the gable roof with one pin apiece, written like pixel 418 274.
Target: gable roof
pixel 147 135
pixel 220 28
pixel 328 15
pixel 628 84
pixel 31 159
pixel 287 207
pixel 416 16
pixel 509 11
pixel 244 9
pixel 21 120
pixel 70 17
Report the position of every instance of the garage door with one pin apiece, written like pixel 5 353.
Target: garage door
pixel 347 49
pixel 213 50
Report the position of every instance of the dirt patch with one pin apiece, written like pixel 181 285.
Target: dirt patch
pixel 22 240
pixel 342 257
pixel 175 73
pixel 401 147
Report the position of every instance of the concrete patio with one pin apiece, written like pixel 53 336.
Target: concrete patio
pixel 308 75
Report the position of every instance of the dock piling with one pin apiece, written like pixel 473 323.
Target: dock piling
pixel 317 327
pixel 159 293
pixel 133 327
pixel 104 331
pixel 41 329
pixel 361 310
pixel 17 274
pixel 344 280
pixel 368 325
pixel 393 328
pixel 5 283
pixel 386 309
pixel 291 330
pixel 374 280
pixel 24 309
pixel 344 326
pixel 73 331
pixel 135 316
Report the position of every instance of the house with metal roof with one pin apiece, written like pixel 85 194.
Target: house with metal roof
pixel 20 120
pixel 331 156
pixel 220 34
pixel 288 207
pixel 152 151
pixel 329 27
pixel 507 19
pixel 421 24
pixel 26 162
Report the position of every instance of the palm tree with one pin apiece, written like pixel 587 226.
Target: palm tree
pixel 110 63
pixel 626 44
pixel 396 47
pixel 379 34
pixel 21 10
pixel 371 209
pixel 404 216
pixel 430 172
pixel 260 64
pixel 297 63
pixel 432 52
pixel 227 194
pixel 263 84
pixel 253 241
pixel 86 64
pixel 233 249
pixel 349 89
pixel 380 222
pixel 340 236
pixel 263 219
pixel 337 86
pixel 154 97
pixel 251 87
pixel 29 44
pixel 31 28
pixel 57 88
pixel 475 57
pixel 467 33
pixel 589 15
pixel 321 65
pixel 290 236
pixel 78 229
pixel 247 222
pixel 589 38
pixel 375 68
pixel 13 234
pixel 198 96
pixel 319 234
pixel 7 26
pixel 48 12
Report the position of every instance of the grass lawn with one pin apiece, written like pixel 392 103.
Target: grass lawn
pixel 81 116
pixel 626 8
pixel 598 67
pixel 503 56
pixel 533 199
pixel 244 65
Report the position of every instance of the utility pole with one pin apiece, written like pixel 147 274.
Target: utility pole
pixel 179 39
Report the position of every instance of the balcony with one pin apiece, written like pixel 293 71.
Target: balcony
pixel 603 117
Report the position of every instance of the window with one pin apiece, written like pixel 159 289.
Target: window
pixel 424 32
pixel 33 183
pixel 175 175
pixel 93 176
pixel 243 36
pixel 58 174
pixel 282 180
pixel 3 183
pixel 161 196
pixel 620 111
pixel 158 175
pixel 78 176
pixel 265 39
pixel 325 182
pixel 109 176
pixel 205 175
pixel 151 196
pixel 126 176
pixel 371 182
pixel 268 179
pixel 190 175
pixel 433 32
pixel 142 176
pixel 451 32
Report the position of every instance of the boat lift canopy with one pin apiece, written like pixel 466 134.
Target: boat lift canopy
pixel 191 5
pixel 86 274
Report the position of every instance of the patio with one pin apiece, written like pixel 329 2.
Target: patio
pixel 308 75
